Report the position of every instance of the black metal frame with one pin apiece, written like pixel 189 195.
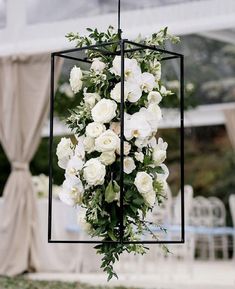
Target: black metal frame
pixel 122 51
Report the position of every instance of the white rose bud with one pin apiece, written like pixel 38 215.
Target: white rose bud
pixel 76 79
pixel 129 165
pixel 139 156
pixel 94 172
pixel 89 144
pixel 107 158
pixel 98 65
pixel 95 129
pixel 107 141
pixel 104 111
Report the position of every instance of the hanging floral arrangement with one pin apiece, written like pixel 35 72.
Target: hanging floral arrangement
pixel 92 162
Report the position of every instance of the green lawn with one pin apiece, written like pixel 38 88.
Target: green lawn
pixel 23 283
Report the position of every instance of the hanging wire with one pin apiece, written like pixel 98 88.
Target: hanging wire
pixel 119 19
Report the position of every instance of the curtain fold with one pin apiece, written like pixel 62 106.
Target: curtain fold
pixel 24 103
pixel 229 115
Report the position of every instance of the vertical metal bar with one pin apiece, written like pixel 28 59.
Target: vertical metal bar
pixel 122 47
pixel 182 146
pixel 51 146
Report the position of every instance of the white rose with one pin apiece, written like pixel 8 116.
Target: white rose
pixel 64 152
pixel 107 141
pixel 89 144
pixel 97 65
pixel 94 172
pixel 139 156
pixel 143 183
pixel 76 79
pixel 107 158
pixel 104 111
pixel 136 126
pixel 154 97
pixel 129 165
pixel 72 191
pixel 90 98
pixel 131 67
pixel 95 129
pixel 147 82
pixel 127 148
pixel 116 92
pixel 75 165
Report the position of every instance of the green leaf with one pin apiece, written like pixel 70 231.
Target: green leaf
pixel 110 192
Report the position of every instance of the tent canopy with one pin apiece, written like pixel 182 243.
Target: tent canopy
pixel 32 26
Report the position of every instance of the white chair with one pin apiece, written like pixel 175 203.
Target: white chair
pixel 232 210
pixel 219 220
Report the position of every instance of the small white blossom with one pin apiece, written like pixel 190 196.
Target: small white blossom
pixel 129 165
pixel 76 79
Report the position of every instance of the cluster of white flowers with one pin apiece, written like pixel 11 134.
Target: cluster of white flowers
pixel 41 184
pixel 85 163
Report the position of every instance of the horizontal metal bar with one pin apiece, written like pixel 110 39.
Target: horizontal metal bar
pixel 153 48
pixel 170 57
pixel 117 242
pixel 74 58
pixel 82 242
pixel 84 48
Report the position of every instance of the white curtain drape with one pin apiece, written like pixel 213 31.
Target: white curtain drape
pixel 24 102
pixel 230 125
